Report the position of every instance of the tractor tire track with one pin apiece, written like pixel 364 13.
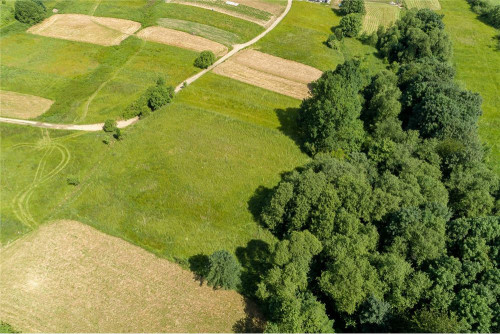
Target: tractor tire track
pixel 22 201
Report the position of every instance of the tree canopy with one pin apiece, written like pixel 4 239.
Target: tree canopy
pixel 391 226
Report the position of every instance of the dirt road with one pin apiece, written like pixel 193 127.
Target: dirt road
pixel 122 124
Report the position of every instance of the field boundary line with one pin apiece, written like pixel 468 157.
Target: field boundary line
pixel 237 48
pixel 185 83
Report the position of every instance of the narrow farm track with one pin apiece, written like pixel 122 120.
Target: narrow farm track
pixel 102 85
pixel 237 48
pixel 122 124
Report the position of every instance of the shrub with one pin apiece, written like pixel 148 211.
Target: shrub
pixel 493 16
pixel 145 112
pixel 333 42
pixel 223 270
pixel 159 96
pixel 352 6
pixel 205 59
pixel 351 25
pixel 29 11
pixel 73 181
pixel 118 134
pixel 109 125
pixel 339 33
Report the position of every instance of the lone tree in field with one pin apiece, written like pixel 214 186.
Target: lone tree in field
pixel 29 11
pixel 205 59
pixel 223 270
pixel 352 6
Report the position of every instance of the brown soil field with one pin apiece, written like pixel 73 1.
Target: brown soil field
pixel 181 39
pixel 84 28
pixel 273 73
pixel 22 106
pixel 69 277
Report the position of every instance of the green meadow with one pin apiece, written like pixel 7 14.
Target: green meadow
pixel 302 34
pixel 182 182
pixel 477 60
pixel 91 83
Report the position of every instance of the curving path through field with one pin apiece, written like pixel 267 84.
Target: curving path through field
pixel 122 124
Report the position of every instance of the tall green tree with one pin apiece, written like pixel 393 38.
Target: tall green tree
pixel 352 6
pixel 329 119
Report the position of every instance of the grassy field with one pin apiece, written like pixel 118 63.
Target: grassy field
pixel 379 13
pixel 476 59
pixel 178 184
pixel 215 34
pixel 89 83
pixel 35 166
pixel 302 34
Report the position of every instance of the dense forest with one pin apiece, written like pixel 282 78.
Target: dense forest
pixel 393 225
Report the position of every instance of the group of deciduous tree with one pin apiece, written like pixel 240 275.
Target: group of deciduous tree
pixel 393 225
pixel 29 11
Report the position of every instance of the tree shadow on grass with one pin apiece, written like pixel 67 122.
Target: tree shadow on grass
pixel 198 264
pixel 257 201
pixel 288 119
pixel 254 260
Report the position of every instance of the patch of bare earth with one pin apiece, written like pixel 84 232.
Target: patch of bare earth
pixel 84 28
pixel 69 277
pixel 181 39
pixel 273 73
pixel 216 8
pixel 22 106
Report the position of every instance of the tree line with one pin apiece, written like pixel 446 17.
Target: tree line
pixel 393 225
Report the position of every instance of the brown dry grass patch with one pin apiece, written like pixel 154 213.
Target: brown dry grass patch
pixel 84 28
pixel 69 277
pixel 273 73
pixel 181 39
pixel 22 106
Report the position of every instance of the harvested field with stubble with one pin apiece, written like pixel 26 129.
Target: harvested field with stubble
pixel 273 73
pixel 105 31
pixel 69 277
pixel 420 4
pixel 275 7
pixel 181 39
pixel 23 106
pixel 379 14
pixel 264 19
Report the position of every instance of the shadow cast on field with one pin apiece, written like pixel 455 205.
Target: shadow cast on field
pixel 259 198
pixel 198 264
pixel 254 260
pixel 288 124
pixel 253 322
